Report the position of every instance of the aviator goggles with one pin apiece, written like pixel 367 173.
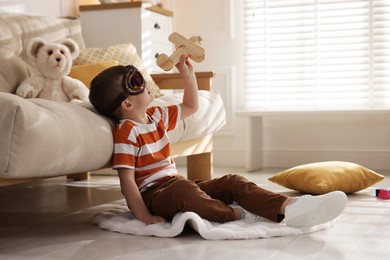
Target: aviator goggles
pixel 133 83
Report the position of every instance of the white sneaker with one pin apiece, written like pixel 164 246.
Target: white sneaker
pixel 308 211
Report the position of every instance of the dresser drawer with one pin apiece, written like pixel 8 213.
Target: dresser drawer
pixel 158 27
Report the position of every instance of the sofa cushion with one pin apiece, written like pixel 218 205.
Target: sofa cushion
pixel 13 70
pixel 123 53
pixel 85 73
pixel 18 29
pixel 210 117
pixel 46 138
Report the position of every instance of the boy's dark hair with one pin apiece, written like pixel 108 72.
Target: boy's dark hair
pixel 105 88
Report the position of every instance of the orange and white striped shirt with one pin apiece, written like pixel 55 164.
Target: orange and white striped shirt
pixel 145 147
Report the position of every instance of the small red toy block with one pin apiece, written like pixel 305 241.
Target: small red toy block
pixel 378 190
pixel 383 194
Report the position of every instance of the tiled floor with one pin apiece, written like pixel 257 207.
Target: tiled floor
pixel 51 220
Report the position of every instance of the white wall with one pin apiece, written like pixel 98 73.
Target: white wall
pixel 361 139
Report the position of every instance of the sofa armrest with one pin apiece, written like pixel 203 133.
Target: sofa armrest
pixel 174 80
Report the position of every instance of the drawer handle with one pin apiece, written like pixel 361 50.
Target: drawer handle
pixel 156 26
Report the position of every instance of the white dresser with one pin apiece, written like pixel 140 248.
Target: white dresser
pixel 147 28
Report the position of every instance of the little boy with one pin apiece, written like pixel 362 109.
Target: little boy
pixel 149 180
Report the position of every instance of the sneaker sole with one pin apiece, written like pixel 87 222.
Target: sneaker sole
pixel 325 211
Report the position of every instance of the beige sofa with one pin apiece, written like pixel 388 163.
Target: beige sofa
pixel 41 138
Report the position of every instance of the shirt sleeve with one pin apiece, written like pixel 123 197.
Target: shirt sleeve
pixel 171 116
pixel 125 148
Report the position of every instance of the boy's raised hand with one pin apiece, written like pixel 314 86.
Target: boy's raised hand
pixel 185 67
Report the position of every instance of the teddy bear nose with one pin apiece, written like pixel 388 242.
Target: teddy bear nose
pixel 58 59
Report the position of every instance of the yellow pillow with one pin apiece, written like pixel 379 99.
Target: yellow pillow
pixel 125 54
pixel 85 73
pixel 323 177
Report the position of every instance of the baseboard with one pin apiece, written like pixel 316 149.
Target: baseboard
pixel 285 159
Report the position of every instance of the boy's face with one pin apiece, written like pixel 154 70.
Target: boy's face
pixel 133 91
pixel 147 96
pixel 143 100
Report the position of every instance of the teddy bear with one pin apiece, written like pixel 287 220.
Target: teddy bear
pixel 53 62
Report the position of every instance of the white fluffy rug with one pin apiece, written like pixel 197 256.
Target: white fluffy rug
pixel 121 220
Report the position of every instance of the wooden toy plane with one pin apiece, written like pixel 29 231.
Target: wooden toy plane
pixel 188 47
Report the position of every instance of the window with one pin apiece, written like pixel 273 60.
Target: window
pixel 317 55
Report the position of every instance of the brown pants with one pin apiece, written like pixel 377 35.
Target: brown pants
pixel 210 198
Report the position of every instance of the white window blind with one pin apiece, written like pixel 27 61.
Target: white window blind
pixel 317 54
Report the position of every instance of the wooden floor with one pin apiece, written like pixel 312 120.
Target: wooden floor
pixel 50 219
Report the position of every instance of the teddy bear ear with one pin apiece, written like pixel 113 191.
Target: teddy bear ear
pixel 33 47
pixel 72 46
